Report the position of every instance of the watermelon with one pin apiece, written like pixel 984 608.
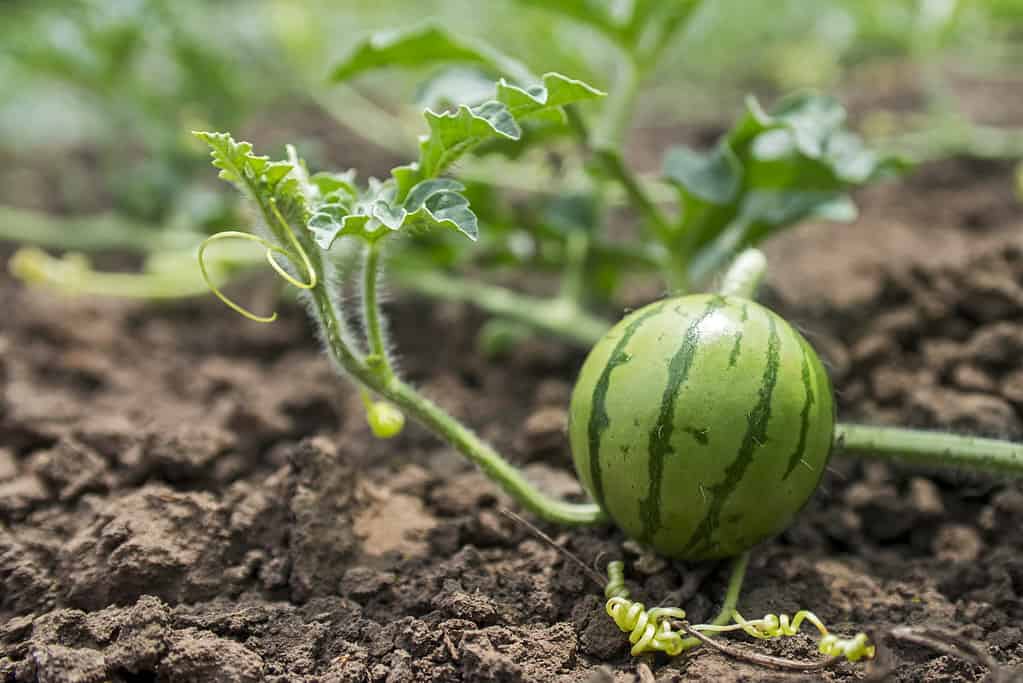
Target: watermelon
pixel 701 425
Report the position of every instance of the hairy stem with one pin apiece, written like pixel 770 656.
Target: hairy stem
pixel 724 616
pixel 556 316
pixel 371 312
pixel 744 275
pixel 431 416
pixel 489 460
pixel 931 449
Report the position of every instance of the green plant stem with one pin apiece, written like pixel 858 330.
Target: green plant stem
pixel 744 275
pixel 610 138
pixel 573 277
pixel 371 311
pixel 578 242
pixel 74 280
pixel 556 316
pixel 739 566
pixel 427 413
pixel 525 177
pixel 931 449
pixel 169 276
pixel 612 164
pixel 617 115
pixel 490 461
pixel 88 233
pixel 956 136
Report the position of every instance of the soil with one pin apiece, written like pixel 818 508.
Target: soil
pixel 185 496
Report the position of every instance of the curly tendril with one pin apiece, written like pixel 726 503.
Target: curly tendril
pixel 649 630
pixel 298 255
pixel 777 625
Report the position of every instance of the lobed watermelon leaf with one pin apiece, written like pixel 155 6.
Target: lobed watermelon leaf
pixel 593 13
pixel 257 177
pixel 331 205
pixel 435 204
pixel 453 86
pixel 770 171
pixel 454 133
pixel 426 45
pixel 415 198
pixel 630 24
pixel 465 96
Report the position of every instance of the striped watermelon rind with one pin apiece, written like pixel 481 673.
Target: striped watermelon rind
pixel 702 425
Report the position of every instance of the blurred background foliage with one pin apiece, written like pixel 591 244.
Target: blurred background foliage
pixel 97 97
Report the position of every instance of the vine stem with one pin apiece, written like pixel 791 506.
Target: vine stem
pixel 612 164
pixel 617 115
pixel 914 446
pixel 489 460
pixel 174 277
pixel 100 232
pixel 371 312
pixel 931 449
pixel 739 566
pixel 573 278
pixel 431 416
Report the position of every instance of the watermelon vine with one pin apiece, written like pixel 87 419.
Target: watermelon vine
pixel 700 425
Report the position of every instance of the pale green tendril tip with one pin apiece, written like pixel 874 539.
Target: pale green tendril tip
pixel 299 255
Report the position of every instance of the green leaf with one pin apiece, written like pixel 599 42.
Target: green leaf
pixel 454 86
pixel 713 178
pixel 770 171
pixel 263 181
pixel 630 24
pixel 592 13
pixel 331 205
pixel 660 17
pixel 423 46
pixel 336 186
pixel 535 101
pixel 434 204
pixel 452 134
pixel 418 195
pixel 444 210
pixel 764 213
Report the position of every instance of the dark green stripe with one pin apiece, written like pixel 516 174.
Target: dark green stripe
pixel 660 434
pixel 599 419
pixel 733 357
pixel 804 416
pixel 755 436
